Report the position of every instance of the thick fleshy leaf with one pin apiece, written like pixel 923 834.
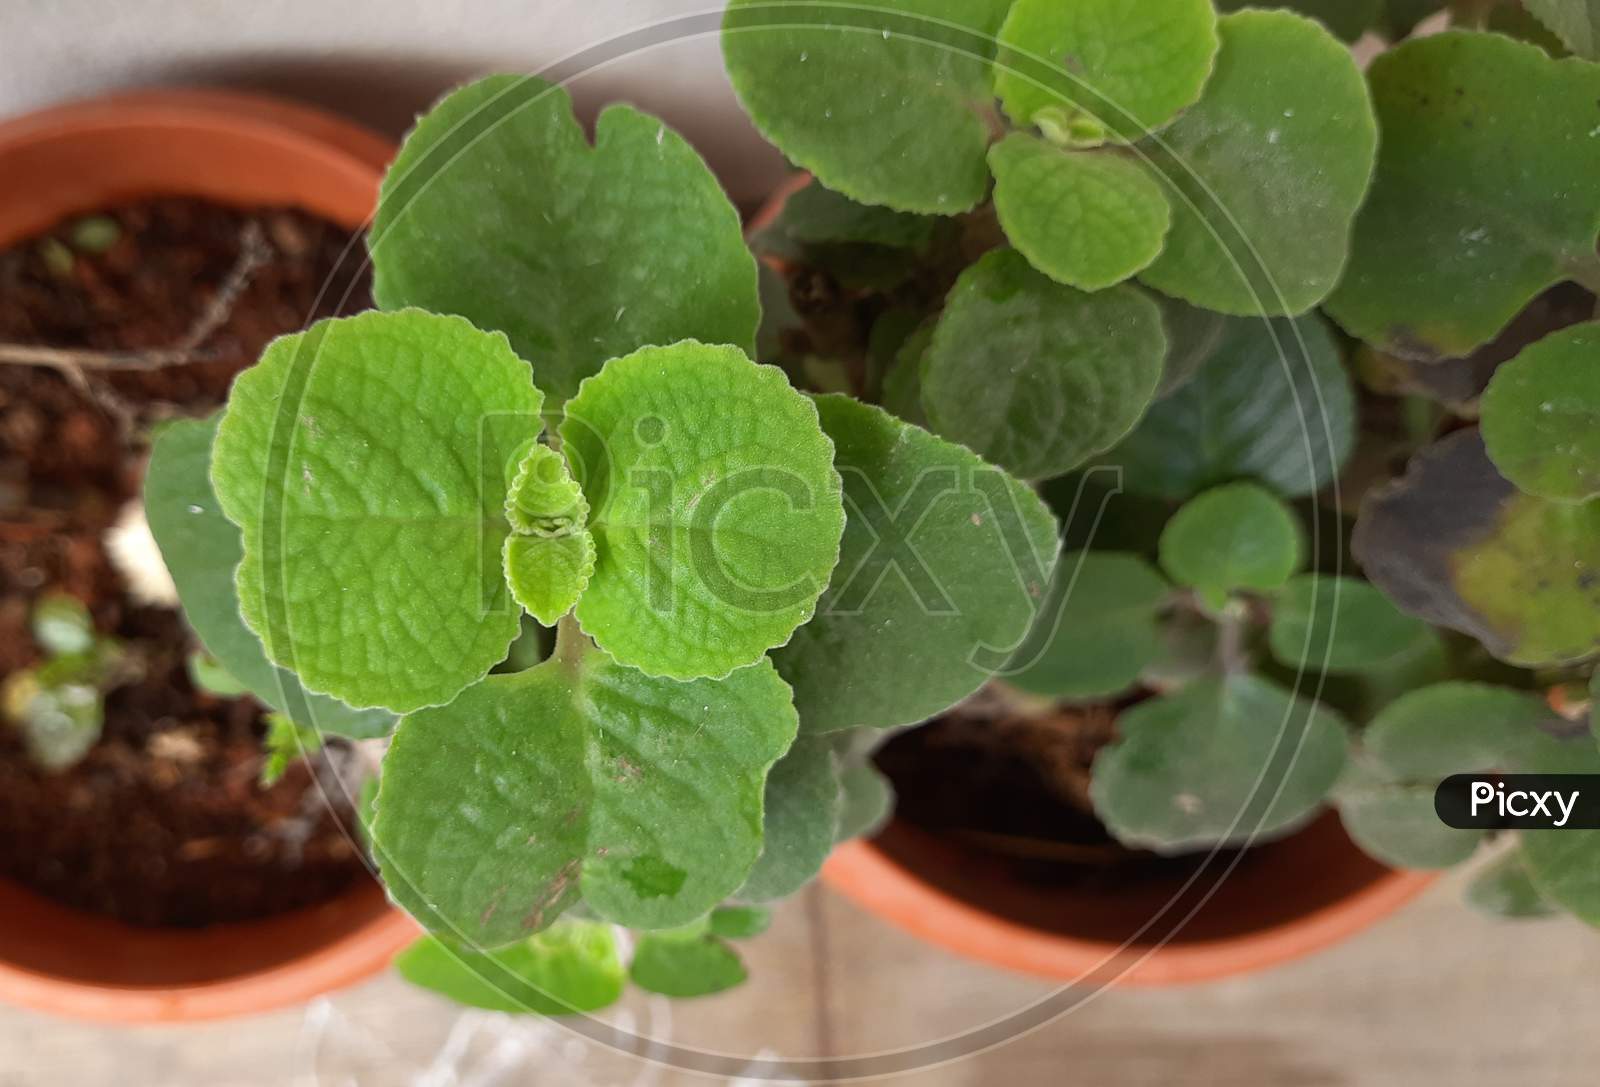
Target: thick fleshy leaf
pixel 714 506
pixel 816 215
pixel 1097 629
pixel 801 811
pixel 868 801
pixel 573 966
pixel 1089 219
pixel 1454 543
pixel 1575 22
pixel 887 103
pixel 739 922
pixel 1222 761
pixel 1233 537
pixel 579 785
pixel 1267 170
pixel 1349 19
pixel 364 462
pixel 1272 402
pixel 202 549
pixel 1428 734
pixel 943 564
pixel 1483 195
pixel 1339 624
pixel 1504 888
pixel 1128 66
pixel 577 253
pixel 1541 416
pixel 1565 868
pixel 685 963
pixel 1035 376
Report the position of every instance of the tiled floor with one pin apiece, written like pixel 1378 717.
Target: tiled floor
pixel 1434 995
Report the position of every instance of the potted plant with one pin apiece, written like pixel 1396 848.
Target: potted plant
pixel 1063 470
pixel 147 242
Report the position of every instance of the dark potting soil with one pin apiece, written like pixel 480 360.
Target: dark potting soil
pixel 1015 784
pixel 163 822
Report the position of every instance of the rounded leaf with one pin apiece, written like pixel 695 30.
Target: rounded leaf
pixel 885 103
pixel 580 779
pixel 1267 170
pixel 1270 401
pixel 800 814
pixel 1339 624
pixel 1129 64
pixel 684 964
pixel 499 210
pixel 1565 868
pixel 943 563
pixel 714 505
pixel 1222 761
pixel 1097 629
pixel 1238 536
pixel 1087 219
pixel 1483 197
pixel 1035 376
pixel 1541 416
pixel 573 966
pixel 364 463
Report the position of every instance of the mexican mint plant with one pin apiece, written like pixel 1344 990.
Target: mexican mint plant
pixel 1058 377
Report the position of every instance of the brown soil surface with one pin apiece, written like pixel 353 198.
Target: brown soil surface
pixel 162 823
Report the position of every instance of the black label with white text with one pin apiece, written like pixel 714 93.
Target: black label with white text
pixel 1519 801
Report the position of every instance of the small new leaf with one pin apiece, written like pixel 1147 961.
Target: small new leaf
pixel 573 966
pixel 1086 219
pixel 549 556
pixel 714 505
pixel 688 963
pixel 1235 537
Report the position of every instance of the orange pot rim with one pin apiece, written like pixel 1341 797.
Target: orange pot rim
pixel 335 172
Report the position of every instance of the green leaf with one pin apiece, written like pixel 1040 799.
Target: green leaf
pixel 887 104
pixel 801 812
pixel 60 718
pixel 1194 336
pixel 739 922
pixel 364 462
pixel 549 557
pixel 685 964
pixel 1428 734
pixel 868 802
pixel 1222 761
pixel 1454 543
pixel 1086 219
pixel 577 253
pixel 583 767
pixel 208 675
pixel 1348 19
pixel 943 562
pixel 716 510
pixel 1129 65
pixel 202 548
pixel 1035 376
pixel 816 215
pixel 1575 22
pixel 284 743
pixel 1565 868
pixel 61 625
pixel 1339 624
pixel 1541 416
pixel 1482 196
pixel 1504 888
pixel 1272 402
pixel 1234 537
pixel 1266 171
pixel 573 966
pixel 1097 629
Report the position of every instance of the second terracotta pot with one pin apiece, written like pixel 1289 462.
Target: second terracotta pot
pixel 246 151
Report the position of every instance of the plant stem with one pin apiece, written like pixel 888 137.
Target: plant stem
pixel 571 642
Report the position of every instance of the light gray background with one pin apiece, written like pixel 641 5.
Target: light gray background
pixel 379 61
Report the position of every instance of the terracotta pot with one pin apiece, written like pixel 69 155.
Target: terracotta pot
pixel 1283 900
pixel 241 150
